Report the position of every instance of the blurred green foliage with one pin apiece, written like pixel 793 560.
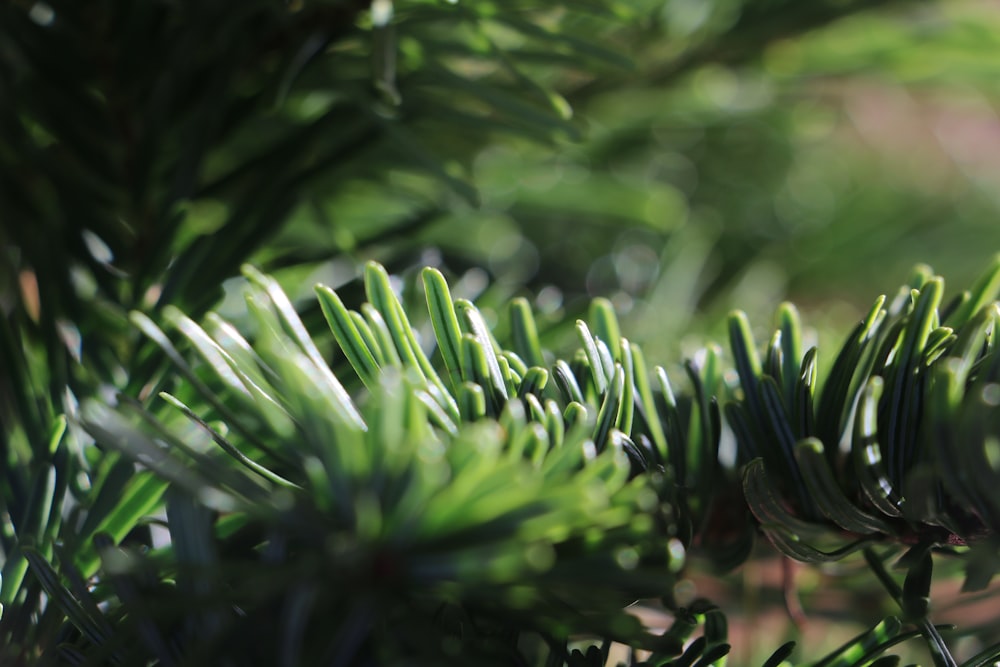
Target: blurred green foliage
pixel 746 154
pixel 686 155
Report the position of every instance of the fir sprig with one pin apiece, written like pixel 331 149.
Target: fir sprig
pixel 459 504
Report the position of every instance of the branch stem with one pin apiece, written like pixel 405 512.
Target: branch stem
pixel 935 642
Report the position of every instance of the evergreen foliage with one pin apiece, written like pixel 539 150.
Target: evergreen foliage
pixel 473 510
pixel 203 462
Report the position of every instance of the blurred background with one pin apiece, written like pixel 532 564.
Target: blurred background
pixel 680 157
pixel 719 155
